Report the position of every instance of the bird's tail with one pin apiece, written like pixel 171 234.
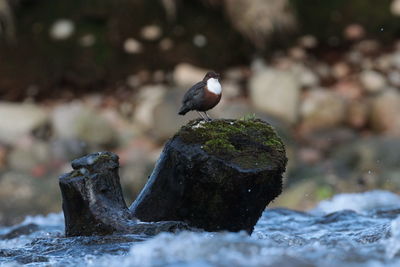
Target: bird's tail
pixel 183 110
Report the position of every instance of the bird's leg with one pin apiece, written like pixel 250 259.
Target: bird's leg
pixel 208 117
pixel 202 116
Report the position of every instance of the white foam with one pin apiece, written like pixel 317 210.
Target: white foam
pixel 359 202
pixel 195 249
pixel 51 219
pixel 392 245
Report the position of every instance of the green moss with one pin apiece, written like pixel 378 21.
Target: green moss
pixel 250 143
pixel 219 145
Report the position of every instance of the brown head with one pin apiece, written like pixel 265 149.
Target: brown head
pixel 211 74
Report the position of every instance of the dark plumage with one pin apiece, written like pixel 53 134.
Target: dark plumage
pixel 202 96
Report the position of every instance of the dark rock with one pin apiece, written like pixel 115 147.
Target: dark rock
pixel 217 175
pixel 21 230
pixel 93 203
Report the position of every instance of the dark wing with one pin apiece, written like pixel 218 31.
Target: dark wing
pixel 194 93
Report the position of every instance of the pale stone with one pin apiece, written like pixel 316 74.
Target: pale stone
pixel 395 7
pixel 62 29
pixel 340 70
pixel 308 41
pixel 385 112
pixel 151 32
pixel 321 109
pixel 354 32
pixel 148 98
pixel 186 75
pixel 18 120
pixel 76 121
pixel 132 46
pixel 276 92
pixel 372 81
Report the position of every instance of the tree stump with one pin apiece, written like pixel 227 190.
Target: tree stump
pixel 217 175
pixel 93 203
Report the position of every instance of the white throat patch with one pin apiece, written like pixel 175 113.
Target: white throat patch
pixel 214 86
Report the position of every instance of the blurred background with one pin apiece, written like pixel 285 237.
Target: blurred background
pixel 93 75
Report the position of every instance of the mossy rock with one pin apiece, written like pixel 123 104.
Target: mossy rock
pixel 217 175
pixel 248 143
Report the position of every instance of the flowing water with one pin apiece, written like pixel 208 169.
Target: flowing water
pixel 348 230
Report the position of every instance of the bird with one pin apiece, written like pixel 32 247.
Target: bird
pixel 202 96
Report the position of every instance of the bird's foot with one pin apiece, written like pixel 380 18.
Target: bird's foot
pixel 201 115
pixel 208 117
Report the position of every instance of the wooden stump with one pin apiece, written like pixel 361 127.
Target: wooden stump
pixel 93 203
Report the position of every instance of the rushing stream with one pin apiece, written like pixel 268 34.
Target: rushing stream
pixel 348 230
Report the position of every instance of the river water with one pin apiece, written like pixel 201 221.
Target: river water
pixel 347 230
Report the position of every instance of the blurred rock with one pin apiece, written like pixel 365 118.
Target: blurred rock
pixel 28 155
pixel 395 59
pixel 236 74
pixel 368 47
pixel 357 114
pixel 199 40
pixel 232 110
pixel 77 121
pixel 68 149
pixel 308 41
pixel 258 20
pixel 385 112
pixel 309 155
pixel 323 70
pixel 18 120
pixel 306 77
pixel 326 139
pixel 166 120
pixel 230 89
pixel 384 62
pixel 395 7
pixel 3 157
pixel 349 89
pixel 151 32
pixel 354 32
pixel 371 162
pixel 132 46
pixel 297 53
pixel 166 44
pixel 62 29
pixel 372 81
pixel 147 99
pixel 340 70
pixel 87 40
pixel 276 92
pixel 394 78
pixel 322 109
pixel 20 231
pixel 355 57
pixel 21 195
pixel 185 75
pixel 137 162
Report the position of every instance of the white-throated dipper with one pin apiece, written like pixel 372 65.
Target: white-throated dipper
pixel 202 96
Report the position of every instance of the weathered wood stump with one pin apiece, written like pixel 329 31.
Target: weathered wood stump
pixel 93 203
pixel 217 175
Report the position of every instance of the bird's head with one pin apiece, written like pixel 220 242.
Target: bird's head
pixel 211 74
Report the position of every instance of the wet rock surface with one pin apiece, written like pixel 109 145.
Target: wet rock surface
pixel 93 203
pixel 217 175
